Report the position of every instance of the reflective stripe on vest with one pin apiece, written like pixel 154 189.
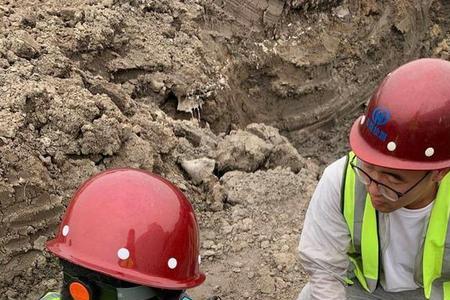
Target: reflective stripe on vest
pixel 51 296
pixel 436 252
pixel 361 219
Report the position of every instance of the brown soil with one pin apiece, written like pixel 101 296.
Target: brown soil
pixel 158 85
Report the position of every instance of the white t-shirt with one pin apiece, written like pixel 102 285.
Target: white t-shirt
pixel 405 232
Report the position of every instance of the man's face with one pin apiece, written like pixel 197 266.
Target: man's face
pixel 419 186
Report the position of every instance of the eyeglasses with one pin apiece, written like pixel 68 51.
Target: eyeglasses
pixel 388 192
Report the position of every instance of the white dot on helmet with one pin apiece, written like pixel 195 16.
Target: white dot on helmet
pixel 123 253
pixel 172 263
pixel 65 230
pixel 391 146
pixel 363 119
pixel 429 152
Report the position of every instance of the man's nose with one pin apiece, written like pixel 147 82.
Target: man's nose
pixel 372 188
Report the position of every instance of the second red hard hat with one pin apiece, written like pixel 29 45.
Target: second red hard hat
pixel 134 226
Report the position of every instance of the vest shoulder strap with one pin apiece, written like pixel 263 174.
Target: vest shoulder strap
pixel 347 160
pixel 51 296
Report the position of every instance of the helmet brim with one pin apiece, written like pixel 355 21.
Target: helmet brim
pixel 367 153
pixel 61 251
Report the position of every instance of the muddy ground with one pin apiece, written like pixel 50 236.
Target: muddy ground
pixel 239 103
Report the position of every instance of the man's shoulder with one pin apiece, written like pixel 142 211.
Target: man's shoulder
pixel 336 169
pixel 327 194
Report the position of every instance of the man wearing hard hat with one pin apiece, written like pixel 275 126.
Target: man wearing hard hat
pixel 377 224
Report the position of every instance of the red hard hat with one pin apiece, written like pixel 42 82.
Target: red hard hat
pixel 407 124
pixel 134 226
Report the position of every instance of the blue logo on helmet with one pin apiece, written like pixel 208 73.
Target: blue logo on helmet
pixel 379 117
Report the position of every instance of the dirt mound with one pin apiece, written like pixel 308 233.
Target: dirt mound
pixel 199 92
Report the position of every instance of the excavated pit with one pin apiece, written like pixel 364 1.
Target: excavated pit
pixel 240 104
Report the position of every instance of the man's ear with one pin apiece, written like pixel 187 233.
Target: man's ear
pixel 440 174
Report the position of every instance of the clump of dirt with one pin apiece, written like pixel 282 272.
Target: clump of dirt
pixel 239 104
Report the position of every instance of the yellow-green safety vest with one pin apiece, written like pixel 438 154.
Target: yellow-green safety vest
pixel 51 296
pixel 364 253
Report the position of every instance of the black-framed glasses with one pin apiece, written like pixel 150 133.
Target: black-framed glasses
pixel 388 192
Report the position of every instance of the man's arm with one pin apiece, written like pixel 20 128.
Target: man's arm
pixel 325 238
